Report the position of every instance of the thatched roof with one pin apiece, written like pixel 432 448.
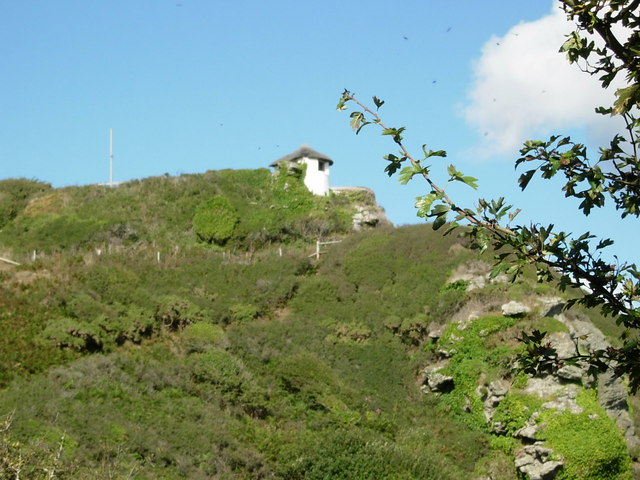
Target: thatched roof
pixel 303 151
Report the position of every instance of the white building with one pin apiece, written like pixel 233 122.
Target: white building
pixel 317 175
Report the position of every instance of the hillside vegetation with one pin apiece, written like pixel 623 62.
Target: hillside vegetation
pixel 233 354
pixel 243 209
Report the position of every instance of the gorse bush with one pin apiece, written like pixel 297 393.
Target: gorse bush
pixel 215 220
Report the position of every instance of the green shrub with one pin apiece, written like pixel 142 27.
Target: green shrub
pixel 15 194
pixel 204 332
pixel 349 333
pixel 411 331
pixel 53 232
pixel 457 285
pixel 101 333
pixel 175 313
pixel 108 284
pixel 45 456
pixel 243 313
pixel 356 454
pixel 590 443
pixel 370 263
pixel 307 377
pixel 73 334
pixel 219 368
pixel 515 410
pixel 215 220
pixel 472 360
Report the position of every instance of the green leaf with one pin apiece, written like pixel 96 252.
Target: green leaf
pixel 604 243
pixel 626 99
pixel 440 221
pixel 357 120
pixel 394 163
pixel 342 103
pixel 407 173
pixel 396 133
pixel 452 226
pixel 423 204
pixel 514 214
pixel 440 210
pixel 471 181
pixel 433 153
pixel 525 178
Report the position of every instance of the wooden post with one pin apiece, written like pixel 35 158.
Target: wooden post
pixel 6 260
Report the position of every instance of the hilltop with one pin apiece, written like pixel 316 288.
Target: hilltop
pixel 252 208
pixel 179 327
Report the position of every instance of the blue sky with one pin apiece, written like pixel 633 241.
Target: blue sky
pixel 193 85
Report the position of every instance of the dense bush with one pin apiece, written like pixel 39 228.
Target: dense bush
pixel 15 194
pixel 590 443
pixel 215 220
pixel 48 233
pixel 355 454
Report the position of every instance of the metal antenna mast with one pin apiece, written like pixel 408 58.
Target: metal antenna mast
pixel 111 157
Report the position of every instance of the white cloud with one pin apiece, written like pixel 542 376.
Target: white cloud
pixel 524 88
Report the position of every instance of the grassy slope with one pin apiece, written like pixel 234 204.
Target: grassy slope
pixel 229 366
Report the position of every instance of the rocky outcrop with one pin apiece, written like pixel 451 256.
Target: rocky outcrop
pixel 612 396
pixel 536 462
pixel 529 433
pixel 558 391
pixel 368 217
pixel 514 309
pixel 612 392
pixel 432 380
pixel 476 273
pixel 492 395
pixel 368 213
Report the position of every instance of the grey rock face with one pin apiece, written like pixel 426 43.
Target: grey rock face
pixel 612 395
pixel 534 461
pixel 368 213
pixel 559 391
pixel 433 380
pixel 529 432
pixel 438 382
pixel 565 399
pixel 494 394
pixel 571 373
pixel 551 306
pixel 514 309
pixel 365 217
pixel 435 331
pixel 476 273
pixel 612 392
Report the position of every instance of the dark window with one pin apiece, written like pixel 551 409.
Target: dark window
pixel 322 166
